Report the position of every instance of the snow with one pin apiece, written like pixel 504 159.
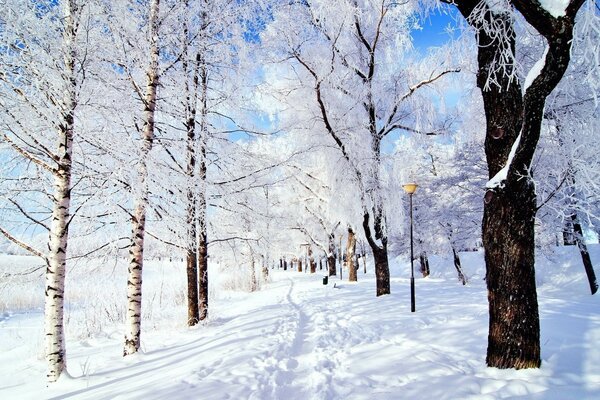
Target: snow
pixel 498 180
pixel 299 339
pixel 556 8
pixel 535 71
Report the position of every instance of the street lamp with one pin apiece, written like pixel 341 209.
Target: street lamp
pixel 410 189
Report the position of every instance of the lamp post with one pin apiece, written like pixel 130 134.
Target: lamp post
pixel 410 189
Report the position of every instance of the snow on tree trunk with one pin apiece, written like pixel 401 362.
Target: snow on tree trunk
pixel 59 230
pixel 513 118
pixel 133 316
pixel 350 251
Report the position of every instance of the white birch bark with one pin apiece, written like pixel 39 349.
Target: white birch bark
pixel 59 229
pixel 136 251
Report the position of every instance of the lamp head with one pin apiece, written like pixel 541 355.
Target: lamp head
pixel 410 188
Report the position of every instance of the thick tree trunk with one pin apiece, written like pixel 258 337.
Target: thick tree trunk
pixel 513 128
pixel 133 315
pixel 285 265
pixel 508 238
pixel 380 257
pixel 299 265
pixel 461 275
pixel 350 250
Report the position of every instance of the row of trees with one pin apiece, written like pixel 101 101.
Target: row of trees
pixel 193 125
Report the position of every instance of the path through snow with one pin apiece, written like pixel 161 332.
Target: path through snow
pixel 298 339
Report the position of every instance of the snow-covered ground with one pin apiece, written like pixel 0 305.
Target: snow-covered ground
pixel 299 339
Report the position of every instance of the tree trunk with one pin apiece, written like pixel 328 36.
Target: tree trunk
pixel 285 265
pixel 59 230
pixel 300 265
pixel 513 128
pixel 461 276
pixel 136 251
pixel 508 238
pixel 265 270
pixel 191 218
pixel 380 257
pixel 202 233
pixel 585 256
pixel 192 282
pixel 350 250
pixel 424 261
pixel 311 260
pixel 331 255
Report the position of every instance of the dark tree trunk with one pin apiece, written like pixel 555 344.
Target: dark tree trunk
pixel 585 256
pixel 320 264
pixel 203 275
pixel 299 265
pixel 510 207
pixel 331 263
pixel 192 278
pixel 508 239
pixel 382 269
pixel 285 265
pixel 331 254
pixel 461 276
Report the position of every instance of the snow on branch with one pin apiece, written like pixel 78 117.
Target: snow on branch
pixel 22 244
pixel 498 180
pixel 499 30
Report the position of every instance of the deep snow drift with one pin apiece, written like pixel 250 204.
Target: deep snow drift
pixel 299 339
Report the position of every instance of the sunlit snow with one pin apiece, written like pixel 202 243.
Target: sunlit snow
pixel 300 339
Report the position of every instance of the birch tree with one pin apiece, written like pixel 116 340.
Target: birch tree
pixel 44 47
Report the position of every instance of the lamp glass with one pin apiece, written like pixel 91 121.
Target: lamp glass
pixel 410 188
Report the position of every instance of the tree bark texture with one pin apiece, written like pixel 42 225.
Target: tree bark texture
pixel 380 257
pixel 61 200
pixel 510 208
pixel 201 211
pixel 133 316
